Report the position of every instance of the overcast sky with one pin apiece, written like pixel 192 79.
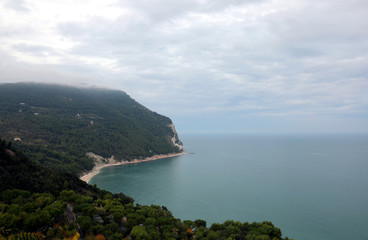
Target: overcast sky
pixel 250 66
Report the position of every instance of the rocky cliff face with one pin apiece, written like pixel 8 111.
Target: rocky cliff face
pixel 175 139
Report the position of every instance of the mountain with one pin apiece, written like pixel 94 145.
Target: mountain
pixel 53 129
pixel 58 125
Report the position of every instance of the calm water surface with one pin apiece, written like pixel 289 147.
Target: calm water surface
pixel 312 187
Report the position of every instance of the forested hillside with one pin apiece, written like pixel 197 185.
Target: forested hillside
pixel 57 125
pixel 41 203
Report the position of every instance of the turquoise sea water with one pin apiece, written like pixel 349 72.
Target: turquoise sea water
pixel 312 187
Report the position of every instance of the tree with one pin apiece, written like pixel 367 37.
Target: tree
pixel 200 223
pixel 213 235
pixel 85 223
pixel 139 233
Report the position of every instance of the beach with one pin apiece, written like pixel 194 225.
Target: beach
pixel 88 176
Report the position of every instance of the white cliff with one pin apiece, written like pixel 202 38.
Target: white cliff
pixel 175 139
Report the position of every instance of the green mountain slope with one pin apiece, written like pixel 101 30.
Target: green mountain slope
pixel 17 171
pixel 57 125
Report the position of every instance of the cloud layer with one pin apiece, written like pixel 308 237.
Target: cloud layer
pixel 213 66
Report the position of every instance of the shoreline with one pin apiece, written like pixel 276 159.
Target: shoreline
pixel 86 177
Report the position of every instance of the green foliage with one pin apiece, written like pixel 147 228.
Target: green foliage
pixel 25 236
pixel 139 233
pixel 265 228
pixel 58 125
pixel 112 219
pixel 19 172
pixel 200 223
pixel 85 223
pixel 213 235
pixel 11 195
pixel 29 214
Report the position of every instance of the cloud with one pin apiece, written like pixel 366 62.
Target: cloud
pixel 265 59
pixel 17 5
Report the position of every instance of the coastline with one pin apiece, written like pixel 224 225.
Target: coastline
pixel 96 169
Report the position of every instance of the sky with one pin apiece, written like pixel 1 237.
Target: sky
pixel 265 66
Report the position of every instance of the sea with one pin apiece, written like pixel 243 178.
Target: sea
pixel 313 187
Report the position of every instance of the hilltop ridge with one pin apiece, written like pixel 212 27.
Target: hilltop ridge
pixel 58 125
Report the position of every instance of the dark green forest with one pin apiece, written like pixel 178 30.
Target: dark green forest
pixel 37 202
pixel 57 125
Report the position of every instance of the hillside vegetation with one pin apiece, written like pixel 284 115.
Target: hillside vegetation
pixel 41 203
pixel 57 125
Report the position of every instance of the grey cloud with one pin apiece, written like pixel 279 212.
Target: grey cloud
pixel 34 49
pixel 12 70
pixel 162 10
pixel 18 5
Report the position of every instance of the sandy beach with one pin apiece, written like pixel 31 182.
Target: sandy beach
pixel 87 177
